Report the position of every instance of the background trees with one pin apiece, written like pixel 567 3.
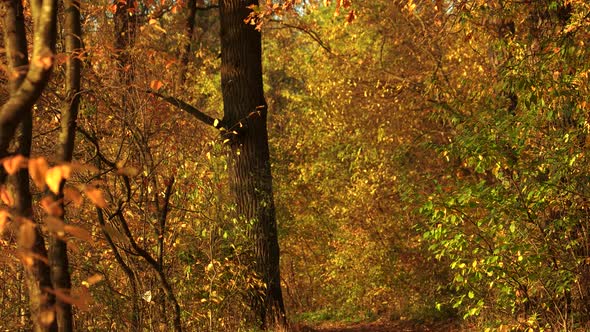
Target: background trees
pixel 428 163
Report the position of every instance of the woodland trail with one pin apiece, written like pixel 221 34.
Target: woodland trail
pixel 395 326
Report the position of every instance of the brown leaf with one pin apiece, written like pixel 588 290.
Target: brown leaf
pixel 80 300
pixel 27 235
pixel 128 171
pixel 55 225
pixel 351 16
pixel 37 169
pixel 95 195
pixel 14 163
pixel 78 232
pixel 73 195
pixel 51 207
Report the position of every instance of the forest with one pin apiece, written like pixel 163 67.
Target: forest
pixel 294 165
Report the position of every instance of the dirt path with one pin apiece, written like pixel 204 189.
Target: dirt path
pixel 398 326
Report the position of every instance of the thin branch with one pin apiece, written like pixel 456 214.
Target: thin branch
pixel 314 35
pixel 163 217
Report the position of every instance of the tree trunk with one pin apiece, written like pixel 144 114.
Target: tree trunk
pixel 25 89
pixel 58 250
pixel 245 112
pixel 185 48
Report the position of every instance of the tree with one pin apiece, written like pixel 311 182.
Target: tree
pixel 58 252
pixel 244 128
pixel 245 113
pixel 26 88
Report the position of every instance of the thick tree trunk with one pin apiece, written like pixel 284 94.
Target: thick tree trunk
pixel 58 250
pixel 26 87
pixel 245 112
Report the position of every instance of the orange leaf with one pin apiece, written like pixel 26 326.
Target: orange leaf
pixel 156 85
pixel 96 196
pixel 4 218
pixel 94 279
pixel 46 317
pixel 6 197
pixel 44 62
pixel 14 163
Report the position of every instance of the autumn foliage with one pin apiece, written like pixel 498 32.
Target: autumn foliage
pixel 428 164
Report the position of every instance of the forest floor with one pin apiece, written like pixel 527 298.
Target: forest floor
pixel 395 326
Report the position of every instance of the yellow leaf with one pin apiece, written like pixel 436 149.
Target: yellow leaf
pixel 55 175
pixel 95 195
pixel 37 169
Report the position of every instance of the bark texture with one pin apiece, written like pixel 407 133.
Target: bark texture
pixel 28 82
pixel 58 250
pixel 245 112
